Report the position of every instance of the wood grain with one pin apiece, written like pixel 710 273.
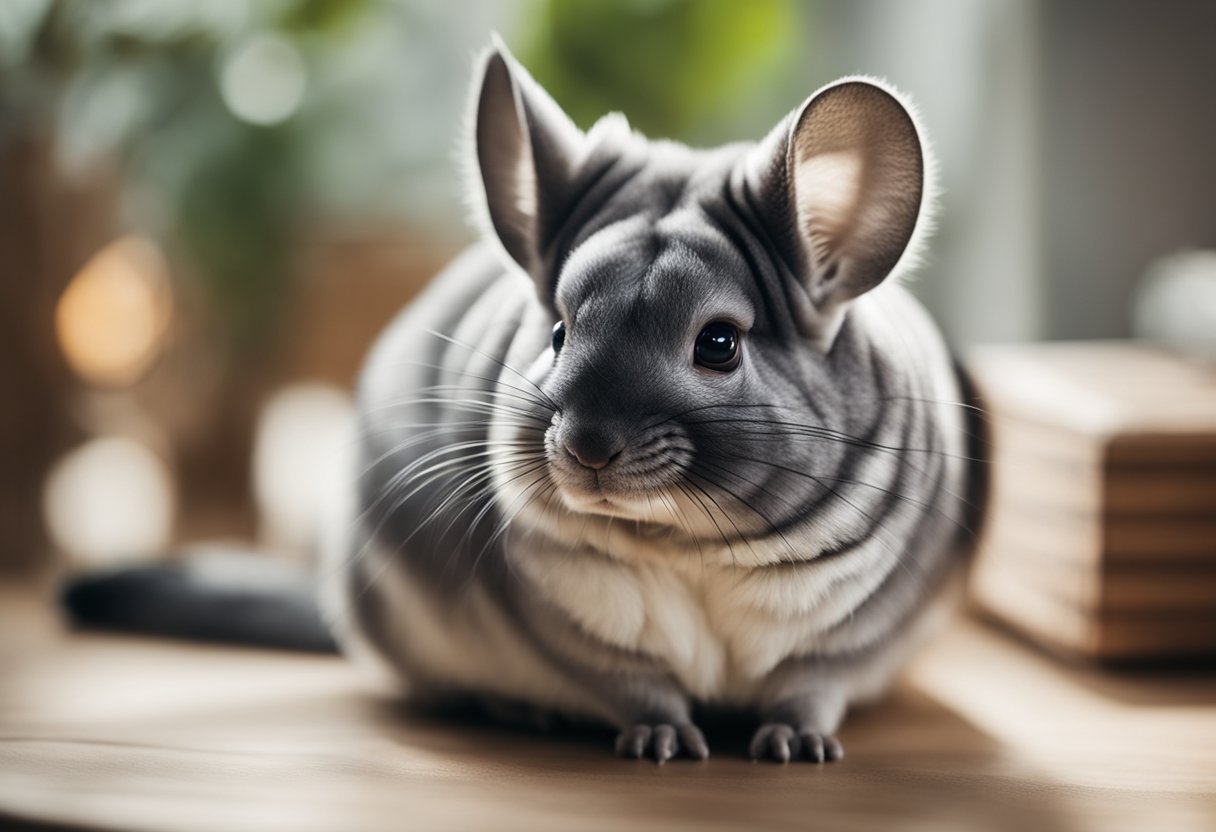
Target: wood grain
pixel 118 733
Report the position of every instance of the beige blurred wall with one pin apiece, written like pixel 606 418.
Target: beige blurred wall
pixel 1128 136
pixel 1076 143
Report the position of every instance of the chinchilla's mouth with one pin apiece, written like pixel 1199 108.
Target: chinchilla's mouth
pixel 597 500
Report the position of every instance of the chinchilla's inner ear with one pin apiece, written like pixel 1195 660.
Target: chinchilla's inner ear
pixel 844 181
pixel 527 150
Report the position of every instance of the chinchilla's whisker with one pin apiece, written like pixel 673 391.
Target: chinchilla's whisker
pixel 720 406
pixel 477 405
pixel 499 389
pixel 419 395
pixel 541 465
pixel 690 488
pixel 673 507
pixel 817 432
pixel 840 437
pixel 428 475
pixel 474 465
pixel 497 382
pixel 359 553
pixel 424 525
pixel 547 493
pixel 504 475
pixel 741 536
pixel 467 492
pixel 692 499
pixel 494 396
pixel 437 430
pixel 811 427
pixel 424 438
pixel 496 360
pixel 823 483
pixel 985 417
pixel 495 468
pixel 482 448
pixel 822 478
pixel 975 408
pixel 465 400
pixel 771 525
pixel 575 545
pixel 510 513
pixel 410 475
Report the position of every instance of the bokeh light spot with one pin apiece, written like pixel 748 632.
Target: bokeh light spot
pixel 300 462
pixel 112 318
pixel 263 81
pixel 108 500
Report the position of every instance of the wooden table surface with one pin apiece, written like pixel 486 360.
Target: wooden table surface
pixel 107 732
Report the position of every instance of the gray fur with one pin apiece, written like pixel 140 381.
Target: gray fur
pixel 794 520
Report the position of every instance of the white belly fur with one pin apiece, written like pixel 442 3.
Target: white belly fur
pixel 719 651
pixel 715 626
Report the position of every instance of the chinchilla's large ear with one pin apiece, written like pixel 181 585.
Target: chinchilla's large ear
pixel 842 182
pixel 527 151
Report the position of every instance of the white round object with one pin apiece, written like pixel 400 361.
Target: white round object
pixel 263 80
pixel 1176 304
pixel 109 499
pixel 301 450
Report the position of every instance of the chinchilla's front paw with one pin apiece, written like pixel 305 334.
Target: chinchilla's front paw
pixel 781 742
pixel 662 741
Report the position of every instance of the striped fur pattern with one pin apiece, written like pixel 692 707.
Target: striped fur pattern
pixel 775 538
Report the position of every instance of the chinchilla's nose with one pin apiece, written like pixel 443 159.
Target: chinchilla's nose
pixel 592 449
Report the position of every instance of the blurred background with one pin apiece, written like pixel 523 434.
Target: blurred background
pixel 209 209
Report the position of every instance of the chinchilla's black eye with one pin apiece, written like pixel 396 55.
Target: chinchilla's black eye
pixel 717 347
pixel 559 336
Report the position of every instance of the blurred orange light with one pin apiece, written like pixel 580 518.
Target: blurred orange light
pixel 112 318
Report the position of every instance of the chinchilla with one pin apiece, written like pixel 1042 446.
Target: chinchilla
pixel 670 438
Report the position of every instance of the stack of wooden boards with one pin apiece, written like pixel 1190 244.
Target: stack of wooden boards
pixel 1101 534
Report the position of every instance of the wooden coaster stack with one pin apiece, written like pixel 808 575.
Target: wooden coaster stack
pixel 1101 534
